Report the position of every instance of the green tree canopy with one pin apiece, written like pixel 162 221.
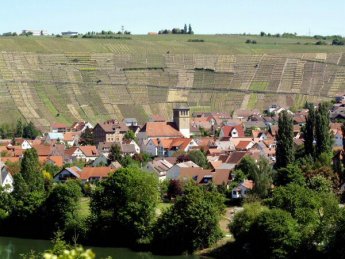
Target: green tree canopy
pixel 199 158
pixel 125 203
pixel 191 223
pixel 31 171
pixel 285 145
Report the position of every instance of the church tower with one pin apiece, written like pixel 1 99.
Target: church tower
pixel 182 120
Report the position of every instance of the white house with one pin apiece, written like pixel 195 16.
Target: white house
pixel 242 190
pixel 86 153
pixel 6 179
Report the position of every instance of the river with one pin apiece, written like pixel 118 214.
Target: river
pixel 12 248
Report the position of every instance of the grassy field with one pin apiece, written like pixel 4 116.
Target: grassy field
pixel 161 44
pixel 49 79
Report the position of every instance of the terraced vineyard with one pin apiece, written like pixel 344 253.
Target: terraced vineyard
pixel 45 80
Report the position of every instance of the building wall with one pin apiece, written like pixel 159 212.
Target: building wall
pixel 182 121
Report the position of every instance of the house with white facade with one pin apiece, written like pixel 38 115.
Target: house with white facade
pixel 6 179
pixel 242 190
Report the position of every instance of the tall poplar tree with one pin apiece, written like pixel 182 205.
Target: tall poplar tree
pixel 285 147
pixel 309 131
pixel 322 130
pixel 30 171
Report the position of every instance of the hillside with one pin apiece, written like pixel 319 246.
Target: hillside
pixel 62 79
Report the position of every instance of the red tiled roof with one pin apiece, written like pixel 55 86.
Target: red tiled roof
pixel 235 157
pixel 228 129
pixel 249 184
pixel 161 129
pixel 58 160
pixel 89 150
pixel 170 143
pixel 242 145
pixel 95 172
pixel 43 150
pixel 70 136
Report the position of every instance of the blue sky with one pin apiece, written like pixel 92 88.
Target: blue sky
pixel 207 17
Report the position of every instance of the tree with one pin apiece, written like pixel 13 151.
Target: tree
pixel 309 131
pixel 185 29
pixel 279 234
pixel 30 131
pixel 190 30
pixel 315 212
pixel 175 188
pixel 262 177
pixel 61 206
pixel 31 172
pixel 191 223
pixel 322 130
pixel 241 226
pixel 199 158
pixel 290 174
pixel 124 203
pixel 19 129
pixel 115 153
pixel 247 166
pixel 285 145
pixel 86 137
pixel 130 135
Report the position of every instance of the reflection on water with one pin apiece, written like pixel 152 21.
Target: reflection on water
pixel 12 248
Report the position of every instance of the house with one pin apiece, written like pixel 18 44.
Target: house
pixel 157 130
pixel 59 128
pixel 54 137
pixel 68 173
pixel 233 159
pixel 80 126
pixel 159 167
pixel 87 174
pixel 130 122
pixel 6 179
pixel 50 150
pixel 109 131
pixel 130 148
pixel 203 176
pixel 225 144
pixel 127 147
pixel 53 160
pixel 231 131
pixel 100 161
pixel 23 143
pixel 91 174
pixel 71 138
pixel 242 190
pixel 86 153
pixel 168 146
pixel 244 145
pixel 174 172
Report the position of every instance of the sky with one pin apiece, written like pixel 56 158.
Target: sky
pixel 305 17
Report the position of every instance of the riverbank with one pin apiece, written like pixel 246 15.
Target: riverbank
pixel 13 248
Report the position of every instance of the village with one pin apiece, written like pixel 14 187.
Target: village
pixel 224 140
